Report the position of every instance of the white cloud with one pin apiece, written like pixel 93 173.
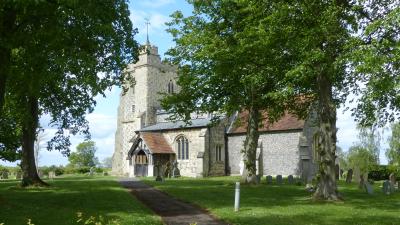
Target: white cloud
pixel 156 3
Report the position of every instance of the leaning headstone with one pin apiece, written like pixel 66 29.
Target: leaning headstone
pixel 368 188
pixel 349 176
pixel 269 179
pixel 279 179
pixel 290 179
pixel 386 187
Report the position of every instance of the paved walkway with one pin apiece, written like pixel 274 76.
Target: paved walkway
pixel 171 210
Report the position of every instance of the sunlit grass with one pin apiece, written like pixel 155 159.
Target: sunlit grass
pixel 60 203
pixel 285 204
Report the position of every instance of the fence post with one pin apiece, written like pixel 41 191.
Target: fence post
pixel 237 196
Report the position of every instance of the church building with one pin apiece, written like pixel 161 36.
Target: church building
pixel 146 140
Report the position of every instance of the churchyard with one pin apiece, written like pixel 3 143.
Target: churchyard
pixel 69 196
pixel 274 201
pixel 284 203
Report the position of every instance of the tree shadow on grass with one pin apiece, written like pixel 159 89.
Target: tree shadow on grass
pixel 60 203
pixel 291 204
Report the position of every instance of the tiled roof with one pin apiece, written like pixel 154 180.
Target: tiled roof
pixel 195 123
pixel 287 122
pixel 156 143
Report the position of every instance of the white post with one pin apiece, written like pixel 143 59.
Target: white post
pixel 237 196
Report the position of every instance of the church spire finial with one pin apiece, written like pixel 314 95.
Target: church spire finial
pixel 147 28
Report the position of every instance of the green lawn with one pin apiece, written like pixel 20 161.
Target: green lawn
pixel 59 204
pixel 286 204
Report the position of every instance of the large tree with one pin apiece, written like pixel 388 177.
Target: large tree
pixel 230 59
pixel 56 56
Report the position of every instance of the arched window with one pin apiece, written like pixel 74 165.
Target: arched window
pixel 170 87
pixel 182 145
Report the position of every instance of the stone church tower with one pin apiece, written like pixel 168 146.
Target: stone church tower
pixel 139 103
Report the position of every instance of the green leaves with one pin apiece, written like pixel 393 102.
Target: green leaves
pixel 64 53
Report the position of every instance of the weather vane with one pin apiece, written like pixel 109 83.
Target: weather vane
pixel 147 27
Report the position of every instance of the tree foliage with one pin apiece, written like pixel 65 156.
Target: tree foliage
pixel 84 155
pixel 63 53
pixel 230 59
pixel 393 152
pixel 374 62
pixel 362 158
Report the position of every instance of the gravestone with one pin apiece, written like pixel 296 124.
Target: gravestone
pixel 386 189
pixel 52 175
pixel 269 179
pixel 159 172
pixel 18 176
pixel 290 179
pixel 105 173
pixel 40 173
pixel 349 176
pixel 175 170
pixel 258 179
pixel 368 188
pixel 91 171
pixel 279 179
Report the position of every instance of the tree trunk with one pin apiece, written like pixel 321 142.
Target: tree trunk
pixel 326 142
pixel 29 171
pixel 250 146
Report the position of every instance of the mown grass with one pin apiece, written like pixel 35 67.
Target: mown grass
pixel 285 204
pixel 60 203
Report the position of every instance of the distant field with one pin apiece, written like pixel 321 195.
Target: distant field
pixel 60 203
pixel 285 204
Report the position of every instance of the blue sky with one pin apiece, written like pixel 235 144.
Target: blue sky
pixel 103 121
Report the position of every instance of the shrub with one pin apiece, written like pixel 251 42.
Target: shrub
pixel 84 169
pixel 58 170
pixel 381 172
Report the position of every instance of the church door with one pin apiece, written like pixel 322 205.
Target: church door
pixel 141 163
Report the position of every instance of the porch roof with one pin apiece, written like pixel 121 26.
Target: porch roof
pixel 156 143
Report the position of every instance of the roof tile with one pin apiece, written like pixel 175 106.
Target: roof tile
pixel 287 122
pixel 156 143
